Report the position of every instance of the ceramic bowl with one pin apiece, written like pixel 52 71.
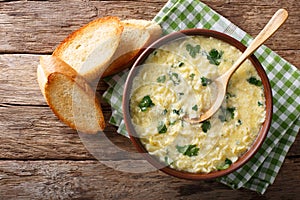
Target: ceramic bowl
pixel 134 136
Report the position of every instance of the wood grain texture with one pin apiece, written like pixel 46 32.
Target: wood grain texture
pixel 39 26
pixel 26 116
pixel 41 158
pixel 18 82
pixel 93 180
pixel 35 133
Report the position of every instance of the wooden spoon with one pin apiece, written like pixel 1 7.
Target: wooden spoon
pixel 221 82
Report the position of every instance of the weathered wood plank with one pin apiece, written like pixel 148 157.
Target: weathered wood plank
pixel 53 153
pixel 18 80
pixel 35 133
pixel 252 17
pixel 29 132
pixel 24 115
pixel 18 84
pixel 93 180
pixel 291 56
pixel 38 26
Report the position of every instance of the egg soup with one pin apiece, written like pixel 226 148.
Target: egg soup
pixel 175 80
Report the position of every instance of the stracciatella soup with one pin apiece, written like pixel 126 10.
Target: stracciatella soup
pixel 174 81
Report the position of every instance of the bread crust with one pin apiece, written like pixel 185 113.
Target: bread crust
pixel 123 62
pixel 126 60
pixel 51 66
pixel 90 27
pixel 55 68
pixel 123 57
pixel 69 39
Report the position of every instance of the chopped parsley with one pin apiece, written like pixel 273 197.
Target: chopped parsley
pixel 168 161
pixel 161 79
pixel 192 76
pixel 231 112
pixel 226 114
pixel 177 112
pixel 225 165
pixel 260 103
pixel 174 78
pixel 154 53
pixel 252 80
pixel 172 122
pixel 214 56
pixel 205 126
pixel 145 103
pixel 193 50
pixel 180 93
pixel 188 150
pixel 161 128
pixel 182 122
pixel 205 81
pixel 229 95
pixel 165 111
pixel 239 122
pixel 195 108
pixel 180 64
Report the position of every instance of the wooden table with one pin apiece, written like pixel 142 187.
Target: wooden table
pixel 41 158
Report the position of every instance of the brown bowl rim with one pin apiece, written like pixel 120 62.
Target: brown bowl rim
pixel 154 161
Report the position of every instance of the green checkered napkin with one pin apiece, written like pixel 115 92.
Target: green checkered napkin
pixel 262 169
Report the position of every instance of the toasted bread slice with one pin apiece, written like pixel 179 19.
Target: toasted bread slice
pixel 152 27
pixel 69 95
pixel 137 34
pixel 90 49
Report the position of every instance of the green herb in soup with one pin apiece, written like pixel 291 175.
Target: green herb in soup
pixel 172 122
pixel 174 77
pixel 229 95
pixel 193 50
pixel 188 150
pixel 162 128
pixel 205 81
pixel 177 80
pixel 254 81
pixel 165 111
pixel 225 165
pixel 146 103
pixel 161 79
pixel 239 122
pixel 214 56
pixel 168 160
pixel 226 114
pixel 205 126
pixel 180 64
pixel 177 112
pixel 192 76
pixel 195 108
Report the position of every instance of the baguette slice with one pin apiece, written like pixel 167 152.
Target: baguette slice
pixel 137 34
pixel 69 95
pixel 90 49
pixel 152 27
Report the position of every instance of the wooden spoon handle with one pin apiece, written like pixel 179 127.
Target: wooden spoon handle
pixel 221 82
pixel 272 26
